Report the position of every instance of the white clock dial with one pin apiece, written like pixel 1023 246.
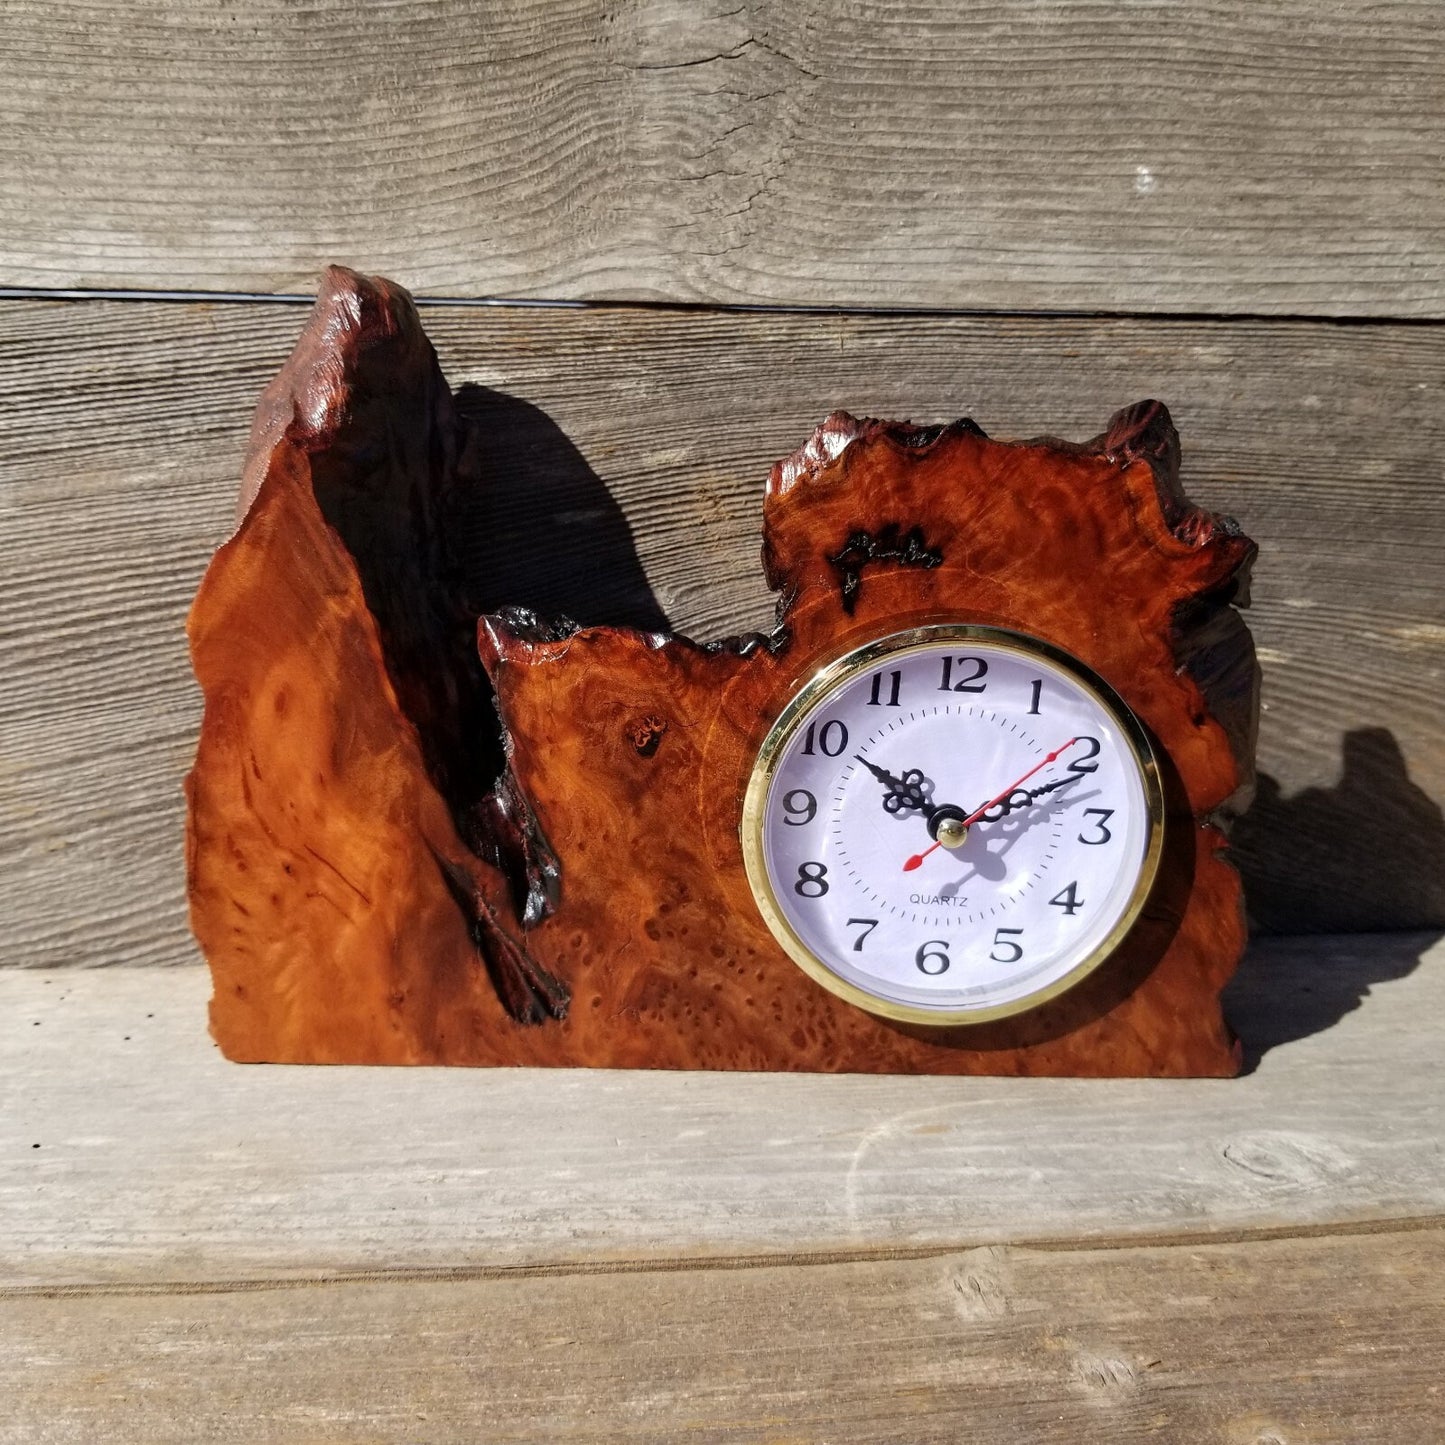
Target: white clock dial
pixel 876 862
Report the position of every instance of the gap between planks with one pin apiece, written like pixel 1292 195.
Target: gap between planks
pixel 703 1264
pixel 740 308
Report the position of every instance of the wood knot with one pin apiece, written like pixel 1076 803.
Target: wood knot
pixel 645 734
pixel 982 1284
pixel 867 549
pixel 1108 1375
pixel 1284 1160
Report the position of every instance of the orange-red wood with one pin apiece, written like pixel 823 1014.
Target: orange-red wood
pixel 1090 548
pixel 342 845
pixel 634 751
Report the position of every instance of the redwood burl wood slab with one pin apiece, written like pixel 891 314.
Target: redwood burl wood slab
pixel 635 750
pixel 374 880
pixel 358 880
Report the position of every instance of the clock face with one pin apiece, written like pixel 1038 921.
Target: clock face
pixel 953 824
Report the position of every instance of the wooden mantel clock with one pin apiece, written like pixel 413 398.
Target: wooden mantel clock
pixel 960 812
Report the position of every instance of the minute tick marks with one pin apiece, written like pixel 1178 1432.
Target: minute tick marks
pixel 928 784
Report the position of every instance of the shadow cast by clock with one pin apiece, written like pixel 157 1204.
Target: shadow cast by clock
pixel 1343 872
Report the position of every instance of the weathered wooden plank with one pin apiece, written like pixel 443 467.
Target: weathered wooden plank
pixel 121 442
pixel 1319 1340
pixel 995 153
pixel 138 1155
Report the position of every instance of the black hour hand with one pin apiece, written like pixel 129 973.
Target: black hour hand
pixel 904 794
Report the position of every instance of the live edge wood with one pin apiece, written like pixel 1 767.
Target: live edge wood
pixel 635 750
pixel 351 875
pixel 343 911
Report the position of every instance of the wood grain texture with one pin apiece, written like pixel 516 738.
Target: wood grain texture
pixel 994 153
pixel 657 932
pixel 121 446
pixel 1264 1343
pixel 349 850
pixel 345 842
pixel 156 1161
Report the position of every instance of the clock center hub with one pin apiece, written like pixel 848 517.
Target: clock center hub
pixel 951 831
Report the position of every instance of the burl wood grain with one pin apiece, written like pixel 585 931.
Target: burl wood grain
pixel 635 750
pixel 342 876
pixel 347 852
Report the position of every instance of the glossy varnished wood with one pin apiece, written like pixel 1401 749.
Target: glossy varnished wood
pixel 325 866
pixel 637 751
pixel 343 730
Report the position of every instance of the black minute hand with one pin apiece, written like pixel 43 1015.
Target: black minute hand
pixel 1021 798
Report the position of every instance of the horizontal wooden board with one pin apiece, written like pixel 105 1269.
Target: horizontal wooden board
pixel 136 1156
pixel 1277 158
pixel 1264 1343
pixel 120 451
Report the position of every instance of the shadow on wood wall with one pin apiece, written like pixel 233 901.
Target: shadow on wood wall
pixel 541 530
pixel 1268 1003
pixel 1365 855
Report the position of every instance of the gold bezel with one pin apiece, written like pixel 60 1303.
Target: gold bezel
pixel 830 675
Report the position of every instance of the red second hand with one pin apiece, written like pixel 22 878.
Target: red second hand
pixel 916 861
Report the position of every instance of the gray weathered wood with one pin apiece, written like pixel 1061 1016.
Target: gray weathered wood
pixel 136 1155
pixel 120 449
pixel 1262 1343
pixel 1277 158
